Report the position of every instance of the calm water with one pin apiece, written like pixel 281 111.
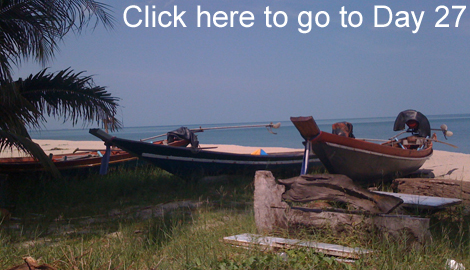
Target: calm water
pixel 287 134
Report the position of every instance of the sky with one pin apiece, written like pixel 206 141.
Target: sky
pixel 203 75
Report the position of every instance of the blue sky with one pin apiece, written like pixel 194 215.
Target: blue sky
pixel 200 75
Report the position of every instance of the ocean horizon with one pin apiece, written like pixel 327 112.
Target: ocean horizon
pixel 287 135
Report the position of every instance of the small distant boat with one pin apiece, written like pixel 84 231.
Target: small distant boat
pixel 366 161
pixel 72 162
pixel 196 161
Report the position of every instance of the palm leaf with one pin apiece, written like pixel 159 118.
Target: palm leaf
pixel 33 28
pixel 15 111
pixel 69 95
pixel 65 93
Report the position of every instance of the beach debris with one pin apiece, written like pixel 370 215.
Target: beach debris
pixel 454 265
pixel 272 213
pixel 421 202
pixel 31 264
pixel 440 187
pixel 57 149
pixel 273 243
pixel 339 188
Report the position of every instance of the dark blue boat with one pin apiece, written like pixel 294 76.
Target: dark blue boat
pixel 190 161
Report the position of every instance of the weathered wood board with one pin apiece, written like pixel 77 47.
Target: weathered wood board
pixel 423 202
pixel 248 239
pixel 447 188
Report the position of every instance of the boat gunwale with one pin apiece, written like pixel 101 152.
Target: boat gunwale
pixel 325 137
pixel 193 151
pixel 228 161
pixel 377 153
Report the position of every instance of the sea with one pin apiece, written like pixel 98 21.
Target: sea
pixel 286 136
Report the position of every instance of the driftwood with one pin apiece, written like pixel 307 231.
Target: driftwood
pixel 272 213
pixel 447 188
pixel 269 209
pixel 31 264
pixel 338 188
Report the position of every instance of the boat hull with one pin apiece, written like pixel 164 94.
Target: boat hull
pixel 89 161
pixel 186 161
pixel 364 161
pixel 66 163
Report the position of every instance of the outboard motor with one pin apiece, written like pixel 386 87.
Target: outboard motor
pixel 343 129
pixel 416 122
pixel 183 133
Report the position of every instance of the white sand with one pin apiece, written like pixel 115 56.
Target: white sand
pixel 448 165
pixel 63 147
pixel 442 164
pixel 58 147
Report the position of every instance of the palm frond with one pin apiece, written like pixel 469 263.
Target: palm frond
pixel 16 111
pixel 33 28
pixel 80 13
pixel 25 144
pixel 69 95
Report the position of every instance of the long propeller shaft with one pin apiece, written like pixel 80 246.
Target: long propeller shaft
pixel 269 126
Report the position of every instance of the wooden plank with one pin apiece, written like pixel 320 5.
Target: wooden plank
pixel 423 202
pixel 440 187
pixel 248 239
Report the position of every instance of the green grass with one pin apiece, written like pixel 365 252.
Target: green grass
pixel 102 222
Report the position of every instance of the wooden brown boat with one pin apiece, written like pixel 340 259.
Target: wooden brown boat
pixel 88 160
pixel 366 161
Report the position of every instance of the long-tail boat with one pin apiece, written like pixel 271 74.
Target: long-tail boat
pixel 196 161
pixel 364 160
pixel 74 162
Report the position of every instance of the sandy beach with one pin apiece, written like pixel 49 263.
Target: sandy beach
pixel 442 164
pixel 448 165
pixel 63 147
pixel 58 147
